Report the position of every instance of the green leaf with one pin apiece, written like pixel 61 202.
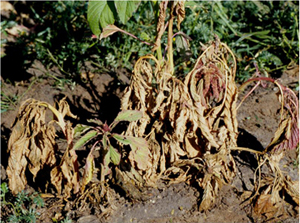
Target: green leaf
pixel 145 36
pixel 129 115
pixel 79 129
pixel 4 188
pixel 84 139
pixel 122 139
pixel 125 9
pixel 100 13
pixel 115 156
pixel 104 141
pixel 259 34
pixel 38 200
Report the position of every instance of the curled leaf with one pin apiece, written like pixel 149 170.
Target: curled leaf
pixel 109 30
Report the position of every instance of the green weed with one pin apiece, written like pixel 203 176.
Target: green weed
pixel 23 205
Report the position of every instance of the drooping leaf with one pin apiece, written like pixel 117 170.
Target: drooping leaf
pixel 180 11
pixel 270 205
pixel 88 170
pixel 109 30
pixel 31 145
pixel 100 13
pixel 125 9
pixel 129 115
pixel 139 154
pixel 84 139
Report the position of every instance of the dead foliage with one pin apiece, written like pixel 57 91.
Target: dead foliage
pixel 274 190
pixel 32 146
pixel 191 124
pixel 182 130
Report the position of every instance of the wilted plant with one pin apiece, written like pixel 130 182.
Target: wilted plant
pixel 272 189
pixel 190 125
pixel 32 145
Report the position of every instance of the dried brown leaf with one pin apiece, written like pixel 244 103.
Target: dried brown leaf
pixel 292 189
pixel 161 23
pixel 139 155
pixel 269 205
pixel 180 12
pixel 33 143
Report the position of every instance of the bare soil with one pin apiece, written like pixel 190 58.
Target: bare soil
pixel 98 96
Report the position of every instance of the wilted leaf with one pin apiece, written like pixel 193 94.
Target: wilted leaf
pixel 139 153
pixel 109 30
pixel 65 177
pixel 292 189
pixel 31 144
pixel 270 205
pixel 180 11
pixel 161 23
pixel 88 170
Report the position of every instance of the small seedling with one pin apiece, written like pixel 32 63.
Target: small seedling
pixel 103 134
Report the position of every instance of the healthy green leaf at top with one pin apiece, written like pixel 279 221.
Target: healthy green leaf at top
pixel 125 9
pixel 100 13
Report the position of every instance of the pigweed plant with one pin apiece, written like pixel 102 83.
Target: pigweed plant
pixel 180 130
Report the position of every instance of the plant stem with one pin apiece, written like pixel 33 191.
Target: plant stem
pixel 170 43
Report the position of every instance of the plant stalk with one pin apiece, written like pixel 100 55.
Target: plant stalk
pixel 170 42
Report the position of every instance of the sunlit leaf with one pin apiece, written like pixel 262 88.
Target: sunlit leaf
pixel 129 115
pixel 100 13
pixel 139 153
pixel 80 129
pixel 125 9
